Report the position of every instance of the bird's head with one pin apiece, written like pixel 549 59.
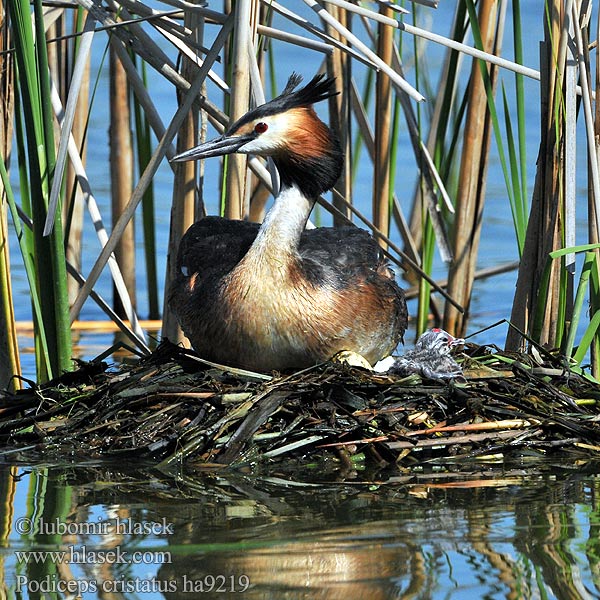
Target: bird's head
pixel 288 130
pixel 437 339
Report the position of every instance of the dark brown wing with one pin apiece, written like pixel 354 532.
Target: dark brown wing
pixel 343 247
pixel 214 245
pixel 348 258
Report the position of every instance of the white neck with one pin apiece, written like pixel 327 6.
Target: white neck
pixel 283 225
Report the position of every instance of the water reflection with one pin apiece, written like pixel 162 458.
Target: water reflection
pixel 141 534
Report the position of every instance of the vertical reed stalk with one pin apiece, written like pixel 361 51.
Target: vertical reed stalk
pixel 471 186
pixel 261 193
pixel 48 251
pixel 236 203
pixel 522 209
pixel 9 348
pixel 144 152
pixel 425 233
pixel 441 143
pixel 593 233
pixel 529 314
pixel 184 191
pixel 121 175
pixel 383 108
pixel 339 66
pixel 73 208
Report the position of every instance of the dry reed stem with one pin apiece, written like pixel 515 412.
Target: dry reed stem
pixel 594 215
pixel 339 66
pixel 554 181
pixel 68 78
pixel 244 36
pixel 9 347
pixel 73 204
pixel 383 116
pixel 543 229
pixel 579 27
pixel 184 191
pixel 121 175
pixel 471 187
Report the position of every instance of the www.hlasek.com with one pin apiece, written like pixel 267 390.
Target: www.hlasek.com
pixel 82 555
pixel 52 584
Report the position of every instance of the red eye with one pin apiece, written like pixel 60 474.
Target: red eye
pixel 260 127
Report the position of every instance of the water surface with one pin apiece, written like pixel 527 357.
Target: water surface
pixel 215 535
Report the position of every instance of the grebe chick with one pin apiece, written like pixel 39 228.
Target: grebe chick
pixel 430 357
pixel 277 296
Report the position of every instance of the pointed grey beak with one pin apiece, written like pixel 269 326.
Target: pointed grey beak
pixel 217 147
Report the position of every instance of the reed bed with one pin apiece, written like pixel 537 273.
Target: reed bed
pixel 172 407
pixel 220 60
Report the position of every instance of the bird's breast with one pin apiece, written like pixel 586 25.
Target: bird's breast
pixel 276 305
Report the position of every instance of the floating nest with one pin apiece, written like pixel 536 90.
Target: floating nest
pixel 173 407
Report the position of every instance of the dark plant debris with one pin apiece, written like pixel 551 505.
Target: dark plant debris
pixel 172 407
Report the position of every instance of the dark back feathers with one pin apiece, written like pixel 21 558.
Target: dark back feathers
pixel 213 246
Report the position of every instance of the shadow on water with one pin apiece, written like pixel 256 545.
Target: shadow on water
pixel 136 533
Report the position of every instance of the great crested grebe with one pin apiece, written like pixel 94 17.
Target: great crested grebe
pixel 277 296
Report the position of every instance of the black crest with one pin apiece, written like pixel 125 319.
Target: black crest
pixel 317 89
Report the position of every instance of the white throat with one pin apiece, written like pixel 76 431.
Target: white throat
pixel 284 223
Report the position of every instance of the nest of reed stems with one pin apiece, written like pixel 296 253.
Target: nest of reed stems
pixel 172 407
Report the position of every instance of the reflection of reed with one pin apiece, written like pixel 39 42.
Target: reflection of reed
pixel 592 547
pixel 478 533
pixel 545 537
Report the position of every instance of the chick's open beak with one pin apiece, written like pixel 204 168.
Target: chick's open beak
pixel 217 147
